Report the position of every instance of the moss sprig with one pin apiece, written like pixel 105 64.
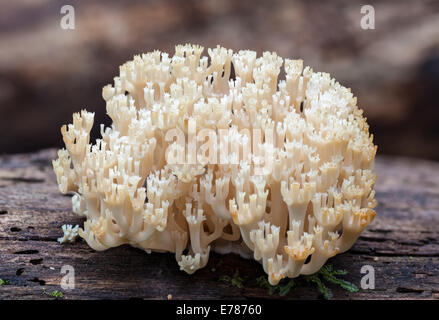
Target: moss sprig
pixel 283 288
pixel 323 289
pixel 325 274
pixel 236 280
pixel 329 275
pixel 55 294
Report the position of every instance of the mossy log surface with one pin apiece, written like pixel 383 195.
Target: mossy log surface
pixel 402 245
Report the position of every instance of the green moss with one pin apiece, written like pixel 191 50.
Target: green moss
pixel 330 276
pixel 323 289
pixel 325 274
pixel 283 287
pixel 235 281
pixel 54 293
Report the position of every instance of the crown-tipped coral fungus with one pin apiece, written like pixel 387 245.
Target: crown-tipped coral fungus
pixel 208 151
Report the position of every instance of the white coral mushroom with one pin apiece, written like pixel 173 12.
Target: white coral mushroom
pixel 70 233
pixel 311 201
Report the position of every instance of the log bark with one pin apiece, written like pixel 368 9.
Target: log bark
pixel 402 244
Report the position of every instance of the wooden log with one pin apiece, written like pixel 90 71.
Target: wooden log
pixel 402 244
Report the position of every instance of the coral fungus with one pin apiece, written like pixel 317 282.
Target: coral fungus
pixel 283 168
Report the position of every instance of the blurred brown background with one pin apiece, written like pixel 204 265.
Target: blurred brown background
pixel 47 73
